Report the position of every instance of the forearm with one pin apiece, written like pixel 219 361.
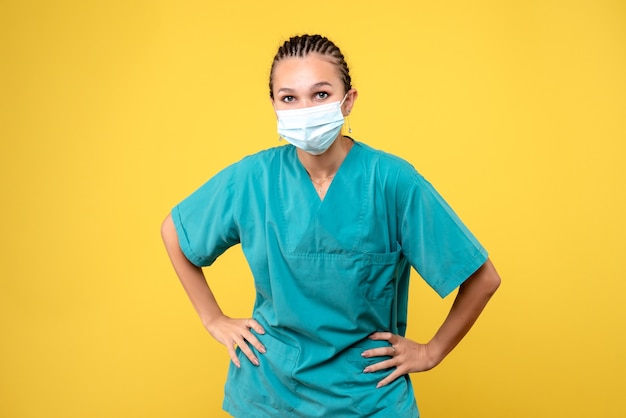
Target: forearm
pixel 470 301
pixel 191 277
pixel 231 332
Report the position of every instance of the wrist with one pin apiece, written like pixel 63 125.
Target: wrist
pixel 435 353
pixel 209 322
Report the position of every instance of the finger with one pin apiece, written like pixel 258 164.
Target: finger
pixel 389 351
pixel 253 324
pixel 233 355
pixel 381 365
pixel 252 339
pixel 245 349
pixel 381 336
pixel 390 378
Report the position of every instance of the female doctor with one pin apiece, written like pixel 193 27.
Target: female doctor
pixel 330 228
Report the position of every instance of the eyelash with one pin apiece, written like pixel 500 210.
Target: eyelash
pixel 325 95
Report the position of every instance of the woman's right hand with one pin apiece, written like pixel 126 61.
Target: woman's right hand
pixel 236 332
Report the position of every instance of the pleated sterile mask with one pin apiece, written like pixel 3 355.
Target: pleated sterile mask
pixel 312 129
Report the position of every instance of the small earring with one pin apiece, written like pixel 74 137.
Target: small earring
pixel 349 127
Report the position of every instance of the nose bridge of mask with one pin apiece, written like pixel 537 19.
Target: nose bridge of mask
pixel 312 111
pixel 327 114
pixel 310 117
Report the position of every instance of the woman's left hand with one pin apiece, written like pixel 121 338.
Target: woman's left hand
pixel 407 356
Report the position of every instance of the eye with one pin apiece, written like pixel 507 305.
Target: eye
pixel 288 99
pixel 321 95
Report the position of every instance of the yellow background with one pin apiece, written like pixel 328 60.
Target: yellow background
pixel 113 111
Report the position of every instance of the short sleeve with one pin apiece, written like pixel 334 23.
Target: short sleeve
pixel 434 240
pixel 206 220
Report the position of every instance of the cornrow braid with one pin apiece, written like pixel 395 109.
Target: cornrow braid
pixel 300 46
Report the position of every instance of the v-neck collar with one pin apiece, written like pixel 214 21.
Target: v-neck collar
pixel 332 225
pixel 310 187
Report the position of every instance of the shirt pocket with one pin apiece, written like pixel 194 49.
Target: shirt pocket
pixel 378 273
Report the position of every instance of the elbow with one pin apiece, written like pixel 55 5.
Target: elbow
pixel 494 284
pixel 168 231
pixel 164 227
pixel 490 278
pixel 484 281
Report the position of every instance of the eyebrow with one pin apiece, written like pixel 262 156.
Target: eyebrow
pixel 313 87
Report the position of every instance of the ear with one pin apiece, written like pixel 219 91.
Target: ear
pixel 349 102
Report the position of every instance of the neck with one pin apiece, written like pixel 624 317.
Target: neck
pixel 325 165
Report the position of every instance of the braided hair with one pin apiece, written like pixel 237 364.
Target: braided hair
pixel 300 46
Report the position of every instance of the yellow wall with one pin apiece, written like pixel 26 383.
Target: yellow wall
pixel 113 111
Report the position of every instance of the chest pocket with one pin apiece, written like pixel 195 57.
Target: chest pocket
pixel 378 276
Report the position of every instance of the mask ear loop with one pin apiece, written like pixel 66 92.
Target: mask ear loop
pixel 343 100
pixel 347 118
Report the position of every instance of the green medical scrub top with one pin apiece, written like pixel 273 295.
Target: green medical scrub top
pixel 327 274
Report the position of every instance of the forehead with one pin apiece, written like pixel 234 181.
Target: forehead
pixel 301 72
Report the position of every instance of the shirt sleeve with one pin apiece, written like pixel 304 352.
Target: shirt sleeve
pixel 434 240
pixel 206 220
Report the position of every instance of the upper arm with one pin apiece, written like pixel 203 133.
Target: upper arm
pixel 168 232
pixel 170 238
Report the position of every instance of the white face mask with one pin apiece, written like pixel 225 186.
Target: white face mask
pixel 312 129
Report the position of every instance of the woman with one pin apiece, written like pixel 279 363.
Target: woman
pixel 330 228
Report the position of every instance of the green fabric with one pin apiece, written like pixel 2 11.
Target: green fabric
pixel 327 274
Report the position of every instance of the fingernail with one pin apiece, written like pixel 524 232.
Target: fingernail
pixel 366 370
pixel 262 350
pixel 256 362
pixel 363 354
